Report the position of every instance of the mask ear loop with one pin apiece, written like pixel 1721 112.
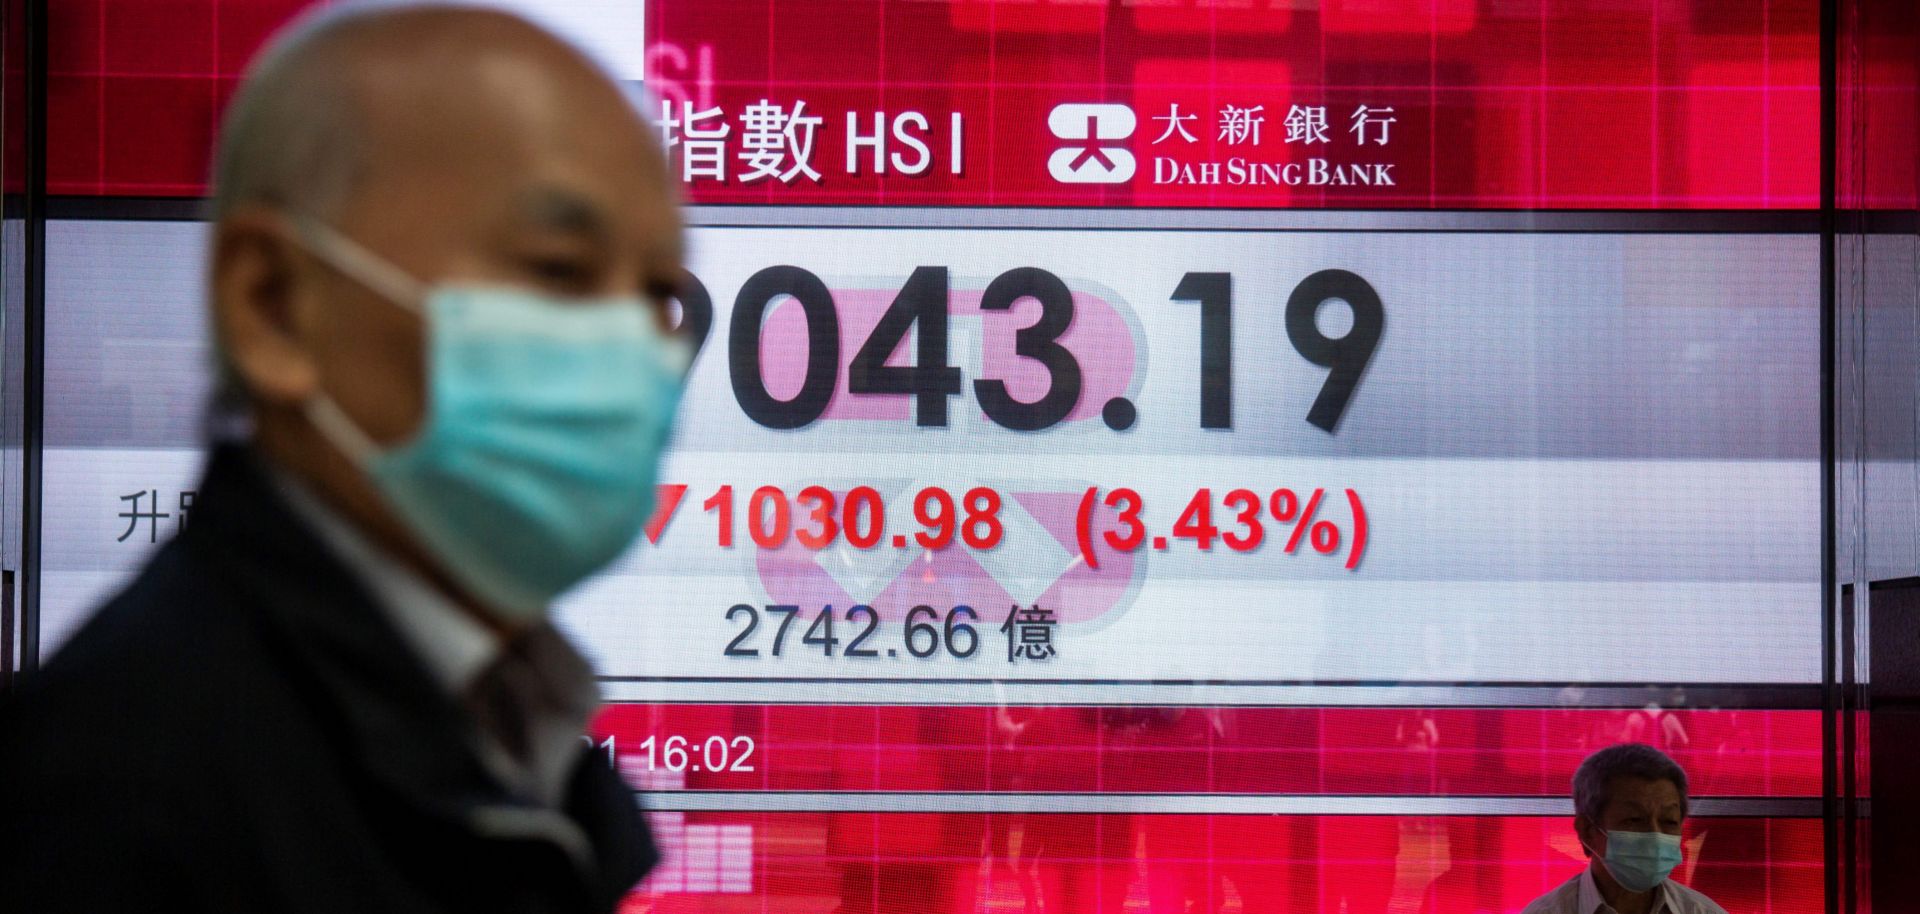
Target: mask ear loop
pixel 1594 854
pixel 357 263
pixel 334 425
pixel 380 277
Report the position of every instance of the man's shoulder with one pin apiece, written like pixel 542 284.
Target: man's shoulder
pixel 162 669
pixel 1688 900
pixel 167 629
pixel 168 717
pixel 1561 899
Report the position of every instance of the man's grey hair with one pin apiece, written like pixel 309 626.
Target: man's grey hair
pixel 1593 782
pixel 295 137
pixel 293 140
pixel 292 137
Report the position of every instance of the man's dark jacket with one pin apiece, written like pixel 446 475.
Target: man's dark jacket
pixel 243 729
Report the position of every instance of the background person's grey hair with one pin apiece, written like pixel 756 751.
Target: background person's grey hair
pixel 1592 783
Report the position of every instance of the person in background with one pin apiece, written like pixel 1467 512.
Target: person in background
pixel 1630 802
pixel 442 247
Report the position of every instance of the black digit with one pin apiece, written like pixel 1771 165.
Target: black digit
pixel 1214 292
pixel 873 622
pixel 915 628
pixel 1346 356
pixel 826 641
pixel 788 610
pixel 823 347
pixel 922 301
pixel 956 628
pixel 1039 342
pixel 753 621
pixel 696 312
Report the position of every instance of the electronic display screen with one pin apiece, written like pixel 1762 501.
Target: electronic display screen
pixel 1142 456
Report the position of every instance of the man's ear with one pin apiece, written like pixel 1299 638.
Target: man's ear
pixel 1583 828
pixel 261 285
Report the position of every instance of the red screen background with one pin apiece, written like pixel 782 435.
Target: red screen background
pixel 1656 105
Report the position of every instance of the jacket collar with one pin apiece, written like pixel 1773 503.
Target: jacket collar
pixel 454 647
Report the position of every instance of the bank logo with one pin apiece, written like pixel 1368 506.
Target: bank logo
pixel 1096 151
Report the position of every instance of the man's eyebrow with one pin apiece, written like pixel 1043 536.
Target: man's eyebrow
pixel 565 211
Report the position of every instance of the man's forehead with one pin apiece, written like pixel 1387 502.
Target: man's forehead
pixel 1632 792
pixel 518 120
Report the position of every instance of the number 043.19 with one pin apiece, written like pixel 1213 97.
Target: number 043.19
pixel 921 309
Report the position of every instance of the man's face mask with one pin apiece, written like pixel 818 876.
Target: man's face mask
pixel 534 466
pixel 1640 860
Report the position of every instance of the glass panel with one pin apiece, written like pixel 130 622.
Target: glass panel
pixel 1435 400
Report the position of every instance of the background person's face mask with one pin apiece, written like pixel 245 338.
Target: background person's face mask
pixel 535 464
pixel 1640 860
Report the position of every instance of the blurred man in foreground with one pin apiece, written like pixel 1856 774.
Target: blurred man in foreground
pixel 1630 802
pixel 442 246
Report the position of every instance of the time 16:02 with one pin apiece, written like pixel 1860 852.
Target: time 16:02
pixel 680 753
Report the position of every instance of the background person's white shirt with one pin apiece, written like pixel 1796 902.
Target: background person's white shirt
pixel 1581 895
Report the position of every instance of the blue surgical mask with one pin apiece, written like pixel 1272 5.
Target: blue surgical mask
pixel 546 419
pixel 1640 860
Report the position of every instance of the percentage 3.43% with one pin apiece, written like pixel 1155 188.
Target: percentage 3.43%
pixel 1245 518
